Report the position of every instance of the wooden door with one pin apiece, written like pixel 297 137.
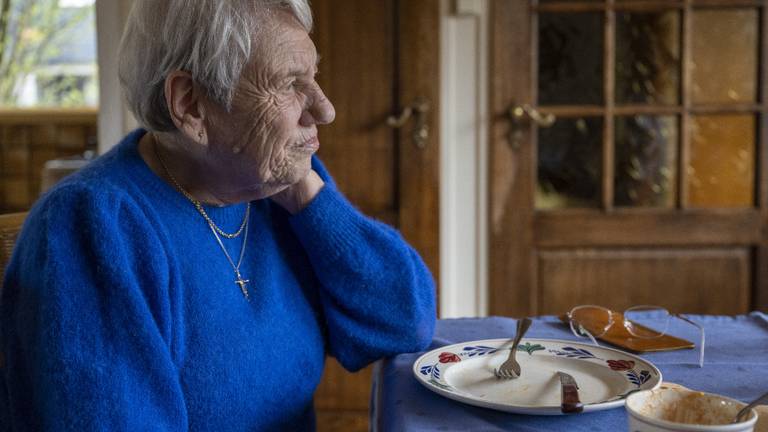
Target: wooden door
pixel 378 57
pixel 650 185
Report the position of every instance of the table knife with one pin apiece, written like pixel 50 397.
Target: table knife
pixel 570 395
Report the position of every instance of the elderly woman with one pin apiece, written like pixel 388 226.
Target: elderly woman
pixel 196 276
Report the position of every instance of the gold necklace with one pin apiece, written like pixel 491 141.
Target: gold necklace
pixel 239 279
pixel 198 205
pixel 215 230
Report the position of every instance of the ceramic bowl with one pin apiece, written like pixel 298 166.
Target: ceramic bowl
pixel 668 409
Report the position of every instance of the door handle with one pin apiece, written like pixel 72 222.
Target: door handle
pixel 419 111
pixel 519 116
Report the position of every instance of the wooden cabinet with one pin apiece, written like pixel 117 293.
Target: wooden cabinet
pixel 28 139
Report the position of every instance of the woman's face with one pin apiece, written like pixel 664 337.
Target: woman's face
pixel 265 143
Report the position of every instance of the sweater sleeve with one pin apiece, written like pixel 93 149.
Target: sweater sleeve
pixel 86 325
pixel 378 296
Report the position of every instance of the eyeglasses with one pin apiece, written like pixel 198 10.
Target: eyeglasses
pixel 644 322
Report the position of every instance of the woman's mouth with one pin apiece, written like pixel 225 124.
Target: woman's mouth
pixel 310 145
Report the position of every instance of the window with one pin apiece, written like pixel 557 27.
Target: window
pixel 48 53
pixel 48 93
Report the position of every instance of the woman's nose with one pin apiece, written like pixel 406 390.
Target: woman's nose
pixel 320 111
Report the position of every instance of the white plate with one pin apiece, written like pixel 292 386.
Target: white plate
pixel 464 372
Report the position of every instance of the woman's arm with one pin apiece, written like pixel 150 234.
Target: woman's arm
pixel 86 322
pixel 377 294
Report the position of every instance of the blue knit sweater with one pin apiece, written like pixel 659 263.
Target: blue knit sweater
pixel 120 312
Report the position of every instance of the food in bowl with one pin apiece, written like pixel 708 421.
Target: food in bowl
pixel 677 409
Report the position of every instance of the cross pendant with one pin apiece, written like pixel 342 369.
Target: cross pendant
pixel 241 282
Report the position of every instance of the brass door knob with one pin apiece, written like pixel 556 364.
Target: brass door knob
pixel 419 111
pixel 519 116
pixel 521 112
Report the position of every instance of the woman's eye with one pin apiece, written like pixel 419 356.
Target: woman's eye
pixel 289 84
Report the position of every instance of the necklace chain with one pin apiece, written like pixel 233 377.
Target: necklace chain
pixel 198 205
pixel 215 229
pixel 239 281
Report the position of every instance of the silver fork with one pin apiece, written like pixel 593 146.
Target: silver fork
pixel 510 369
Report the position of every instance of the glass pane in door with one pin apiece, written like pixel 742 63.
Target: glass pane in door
pixel 648 58
pixel 724 55
pixel 721 169
pixel 570 164
pixel 646 161
pixel 570 58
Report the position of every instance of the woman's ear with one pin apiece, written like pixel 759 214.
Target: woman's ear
pixel 186 105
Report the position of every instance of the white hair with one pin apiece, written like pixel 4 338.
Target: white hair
pixel 210 39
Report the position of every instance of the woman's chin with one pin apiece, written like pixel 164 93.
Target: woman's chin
pixel 297 173
pixel 301 169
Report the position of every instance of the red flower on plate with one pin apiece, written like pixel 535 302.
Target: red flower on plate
pixel 621 365
pixel 447 357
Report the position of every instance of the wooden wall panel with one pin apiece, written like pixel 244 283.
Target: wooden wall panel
pixel 717 281
pixel 418 36
pixel 511 174
pixel 355 40
pixel 648 227
pixel 357 74
pixel 342 399
pixel 760 295
pixel 342 421
pixel 377 58
pixel 28 139
pixel 338 391
pixel 10 226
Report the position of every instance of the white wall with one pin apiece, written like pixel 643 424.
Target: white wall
pixel 114 118
pixel 463 159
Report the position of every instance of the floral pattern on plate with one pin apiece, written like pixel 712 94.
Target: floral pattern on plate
pixel 600 363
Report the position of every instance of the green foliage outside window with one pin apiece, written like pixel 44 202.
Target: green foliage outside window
pixel 40 39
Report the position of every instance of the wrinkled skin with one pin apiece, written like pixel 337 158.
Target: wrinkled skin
pixel 263 146
pixel 272 127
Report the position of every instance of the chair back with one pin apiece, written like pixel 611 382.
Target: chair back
pixel 10 225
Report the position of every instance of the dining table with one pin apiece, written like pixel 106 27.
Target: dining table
pixel 735 365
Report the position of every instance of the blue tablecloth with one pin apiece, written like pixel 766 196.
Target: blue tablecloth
pixel 736 365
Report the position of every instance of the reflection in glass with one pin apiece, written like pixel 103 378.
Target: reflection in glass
pixel 724 56
pixel 721 172
pixel 648 57
pixel 570 58
pixel 570 164
pixel 646 157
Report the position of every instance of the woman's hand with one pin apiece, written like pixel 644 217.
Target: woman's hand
pixel 297 196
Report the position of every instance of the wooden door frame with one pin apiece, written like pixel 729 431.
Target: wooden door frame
pixel 513 267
